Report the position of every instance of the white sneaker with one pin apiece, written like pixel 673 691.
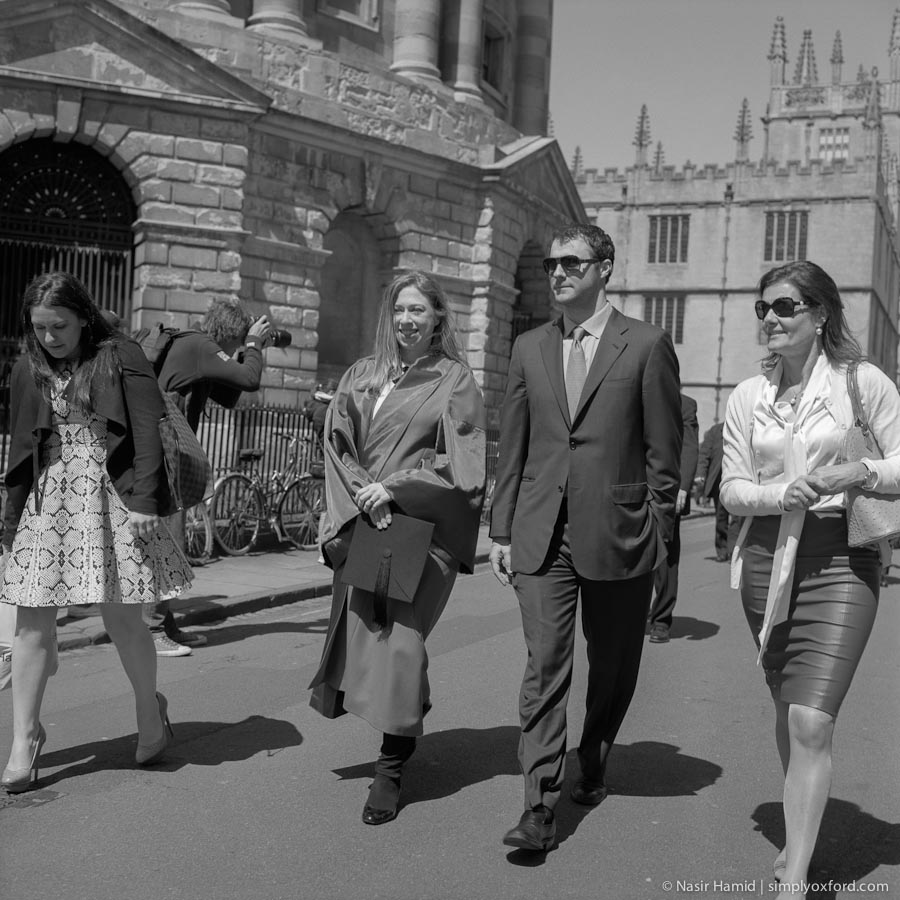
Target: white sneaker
pixel 165 646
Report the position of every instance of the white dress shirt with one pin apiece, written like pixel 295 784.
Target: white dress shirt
pixel 593 331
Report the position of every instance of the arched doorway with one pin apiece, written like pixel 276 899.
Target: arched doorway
pixel 348 295
pixel 63 207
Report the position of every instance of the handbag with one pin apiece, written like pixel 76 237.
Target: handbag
pixel 188 470
pixel 388 562
pixel 871 517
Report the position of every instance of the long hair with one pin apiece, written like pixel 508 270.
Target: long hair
pixel 97 356
pixel 817 288
pixel 444 342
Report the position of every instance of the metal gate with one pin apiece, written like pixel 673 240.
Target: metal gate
pixel 63 207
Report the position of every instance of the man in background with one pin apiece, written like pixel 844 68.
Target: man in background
pixel 707 481
pixel 665 579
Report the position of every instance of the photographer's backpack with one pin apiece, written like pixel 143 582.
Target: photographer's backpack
pixel 156 341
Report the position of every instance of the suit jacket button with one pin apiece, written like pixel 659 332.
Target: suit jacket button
pixel 572 445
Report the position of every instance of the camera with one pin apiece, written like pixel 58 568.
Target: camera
pixel 278 337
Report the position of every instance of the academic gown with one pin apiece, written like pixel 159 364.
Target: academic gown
pixel 426 446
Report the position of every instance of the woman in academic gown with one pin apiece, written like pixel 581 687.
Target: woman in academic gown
pixel 404 434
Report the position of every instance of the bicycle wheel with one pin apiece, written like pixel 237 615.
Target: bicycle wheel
pixel 198 534
pixel 298 520
pixel 236 509
pixel 314 489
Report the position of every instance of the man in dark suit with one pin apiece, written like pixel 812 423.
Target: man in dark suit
pixel 708 479
pixel 665 581
pixel 584 502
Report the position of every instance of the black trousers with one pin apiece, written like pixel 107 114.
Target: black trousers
pixel 665 581
pixel 613 616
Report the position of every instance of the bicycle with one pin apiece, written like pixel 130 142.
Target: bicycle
pixel 242 502
pixel 198 534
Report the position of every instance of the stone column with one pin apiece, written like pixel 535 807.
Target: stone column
pixel 213 9
pixel 279 17
pixel 416 28
pixel 464 37
pixel 532 87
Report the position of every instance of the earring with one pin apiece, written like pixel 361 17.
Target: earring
pixel 818 329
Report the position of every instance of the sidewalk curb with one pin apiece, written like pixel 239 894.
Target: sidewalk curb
pixel 208 611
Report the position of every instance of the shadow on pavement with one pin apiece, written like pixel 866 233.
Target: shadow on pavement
pixel 692 629
pixel 851 843
pixel 654 769
pixel 195 743
pixel 226 634
pixel 446 762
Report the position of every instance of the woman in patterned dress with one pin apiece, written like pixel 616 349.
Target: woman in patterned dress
pixel 86 489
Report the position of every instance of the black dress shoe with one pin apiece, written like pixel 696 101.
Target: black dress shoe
pixel 536 830
pixel 588 793
pixel 384 798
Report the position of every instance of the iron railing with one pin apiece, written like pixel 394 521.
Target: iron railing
pixel 225 432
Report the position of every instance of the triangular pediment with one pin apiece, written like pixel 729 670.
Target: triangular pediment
pixel 536 166
pixel 96 43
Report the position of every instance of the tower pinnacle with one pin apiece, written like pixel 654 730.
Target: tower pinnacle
pixel 805 72
pixel 837 59
pixel 777 53
pixel 642 137
pixel 743 133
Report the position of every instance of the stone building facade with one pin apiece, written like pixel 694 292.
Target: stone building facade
pixel 294 153
pixel 692 242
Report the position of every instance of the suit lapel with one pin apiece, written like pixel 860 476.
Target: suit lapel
pixel 551 351
pixel 609 349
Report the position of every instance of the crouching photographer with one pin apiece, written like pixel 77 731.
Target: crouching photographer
pixel 218 362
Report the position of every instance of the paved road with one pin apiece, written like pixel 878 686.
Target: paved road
pixel 261 798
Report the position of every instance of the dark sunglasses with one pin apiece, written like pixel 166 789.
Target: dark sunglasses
pixel 569 263
pixel 783 307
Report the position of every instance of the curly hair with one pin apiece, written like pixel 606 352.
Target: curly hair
pixel 226 321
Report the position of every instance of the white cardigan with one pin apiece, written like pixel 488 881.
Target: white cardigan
pixel 740 491
pixel 743 495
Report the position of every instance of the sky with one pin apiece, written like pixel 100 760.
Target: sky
pixel 692 62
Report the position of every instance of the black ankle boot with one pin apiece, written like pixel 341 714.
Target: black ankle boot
pixel 384 794
pixel 382 802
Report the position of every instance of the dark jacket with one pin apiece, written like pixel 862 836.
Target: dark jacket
pixel 618 460
pixel 197 369
pixel 132 406
pixel 690 448
pixel 709 464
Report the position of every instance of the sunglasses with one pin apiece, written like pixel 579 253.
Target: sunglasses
pixel 569 263
pixel 783 307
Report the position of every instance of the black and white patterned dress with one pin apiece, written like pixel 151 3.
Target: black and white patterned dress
pixel 78 549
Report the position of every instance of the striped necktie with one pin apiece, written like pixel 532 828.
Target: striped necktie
pixel 576 371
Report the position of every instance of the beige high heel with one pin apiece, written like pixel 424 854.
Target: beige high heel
pixel 18 780
pixel 147 754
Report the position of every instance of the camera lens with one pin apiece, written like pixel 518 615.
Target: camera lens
pixel 280 338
